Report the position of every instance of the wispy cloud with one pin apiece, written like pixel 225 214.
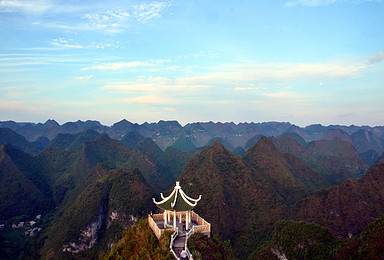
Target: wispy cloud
pixel 146 11
pixel 110 20
pixel 62 43
pixel 170 109
pixel 286 95
pixel 151 99
pixel 25 6
pixel 116 20
pixel 158 84
pixel 7 105
pixel 118 65
pixel 379 57
pixel 84 77
pixel 249 88
pixel 315 3
pixel 241 77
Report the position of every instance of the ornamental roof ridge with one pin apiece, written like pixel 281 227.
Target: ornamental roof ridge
pixel 177 200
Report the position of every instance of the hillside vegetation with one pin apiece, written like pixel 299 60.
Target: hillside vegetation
pixel 300 192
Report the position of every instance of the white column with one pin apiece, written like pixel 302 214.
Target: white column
pixel 165 217
pixel 180 216
pixel 190 217
pixel 174 219
pixel 187 220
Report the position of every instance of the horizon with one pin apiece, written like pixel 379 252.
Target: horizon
pixel 300 61
pixel 184 124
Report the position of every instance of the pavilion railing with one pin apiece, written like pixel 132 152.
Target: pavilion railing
pixel 190 232
pixel 203 226
pixel 152 223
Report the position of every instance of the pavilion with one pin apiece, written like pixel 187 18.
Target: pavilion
pixel 177 205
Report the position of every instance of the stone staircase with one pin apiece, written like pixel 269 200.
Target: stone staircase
pixel 178 244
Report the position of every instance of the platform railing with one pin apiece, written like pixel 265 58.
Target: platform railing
pixel 152 218
pixel 202 226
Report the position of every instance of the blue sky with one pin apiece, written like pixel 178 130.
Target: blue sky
pixel 302 61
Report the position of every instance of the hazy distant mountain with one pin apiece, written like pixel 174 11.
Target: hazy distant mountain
pixel 251 142
pixel 365 140
pixel 221 140
pixel 121 128
pixel 198 135
pixel 71 142
pixel 184 144
pixel 148 147
pixel 131 139
pixel 239 151
pixel 166 133
pixel 41 143
pixel 370 157
pixel 172 161
pixel 298 138
pixel 9 136
pixel 51 128
pixel 289 144
pixel 314 131
pixel 336 160
pixel 331 134
pixel 291 178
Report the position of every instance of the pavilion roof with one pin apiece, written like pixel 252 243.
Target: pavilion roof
pixel 177 200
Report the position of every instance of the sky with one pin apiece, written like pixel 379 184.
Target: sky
pixel 297 61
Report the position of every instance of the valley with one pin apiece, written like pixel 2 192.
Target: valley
pixel 259 182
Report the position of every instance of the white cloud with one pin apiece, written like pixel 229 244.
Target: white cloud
pixel 62 43
pixel 379 57
pixel 249 88
pixel 170 109
pixel 146 11
pixel 151 84
pixel 115 20
pixel 285 95
pixel 315 3
pixel 151 99
pixel 17 106
pixel 240 77
pixel 110 20
pixel 119 65
pixel 25 6
pixel 84 77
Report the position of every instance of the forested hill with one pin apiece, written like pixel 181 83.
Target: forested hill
pixel 85 178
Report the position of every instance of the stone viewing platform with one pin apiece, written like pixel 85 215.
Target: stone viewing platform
pixel 179 218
